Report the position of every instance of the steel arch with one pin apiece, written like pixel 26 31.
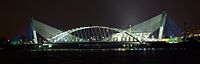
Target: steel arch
pixel 68 32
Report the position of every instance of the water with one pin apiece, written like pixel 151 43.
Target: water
pixel 164 56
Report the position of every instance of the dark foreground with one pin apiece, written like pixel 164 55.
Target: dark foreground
pixel 156 56
pixel 155 53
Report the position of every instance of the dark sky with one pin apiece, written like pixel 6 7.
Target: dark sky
pixel 67 14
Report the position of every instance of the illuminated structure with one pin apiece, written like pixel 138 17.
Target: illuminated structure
pixel 138 33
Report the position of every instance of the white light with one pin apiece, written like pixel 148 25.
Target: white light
pixel 152 48
pixel 140 49
pixel 131 45
pixel 50 45
pixel 45 44
pixel 124 45
pixel 40 46
pixel 119 49
pixel 144 49
pixel 123 49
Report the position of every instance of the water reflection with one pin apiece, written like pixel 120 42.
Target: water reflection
pixel 93 56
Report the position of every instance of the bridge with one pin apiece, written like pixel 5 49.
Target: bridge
pixel 138 33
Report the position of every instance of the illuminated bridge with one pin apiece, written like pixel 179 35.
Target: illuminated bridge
pixel 138 34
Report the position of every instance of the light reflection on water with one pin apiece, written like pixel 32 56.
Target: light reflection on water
pixel 115 49
pixel 94 56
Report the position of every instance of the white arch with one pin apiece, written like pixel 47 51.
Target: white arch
pixel 63 34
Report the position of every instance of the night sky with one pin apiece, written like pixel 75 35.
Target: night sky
pixel 67 14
